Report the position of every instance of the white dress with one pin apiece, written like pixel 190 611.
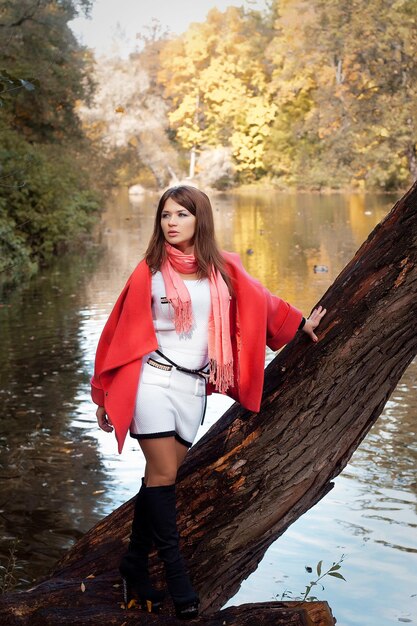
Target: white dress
pixel 170 402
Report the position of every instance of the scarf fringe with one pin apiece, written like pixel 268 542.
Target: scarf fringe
pixel 221 375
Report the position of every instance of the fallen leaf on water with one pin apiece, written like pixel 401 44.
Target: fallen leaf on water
pixel 82 587
pixel 98 491
pixel 91 576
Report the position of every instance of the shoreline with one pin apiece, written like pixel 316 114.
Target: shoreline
pixel 265 186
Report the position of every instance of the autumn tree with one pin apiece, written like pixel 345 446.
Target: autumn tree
pixel 215 77
pixel 344 83
pixel 129 117
pixel 128 114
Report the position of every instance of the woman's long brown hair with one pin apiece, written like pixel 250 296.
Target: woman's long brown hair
pixel 206 250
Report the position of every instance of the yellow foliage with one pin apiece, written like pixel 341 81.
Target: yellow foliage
pixel 215 78
pixel 320 83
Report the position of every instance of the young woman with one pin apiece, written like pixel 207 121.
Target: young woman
pixel 188 322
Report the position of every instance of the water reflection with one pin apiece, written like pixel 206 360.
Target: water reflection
pixel 49 466
pixel 60 474
pixel 391 446
pixel 289 234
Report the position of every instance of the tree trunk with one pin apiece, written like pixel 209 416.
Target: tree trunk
pixel 412 160
pixel 252 475
pixel 67 606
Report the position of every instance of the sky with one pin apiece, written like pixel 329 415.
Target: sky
pixel 113 25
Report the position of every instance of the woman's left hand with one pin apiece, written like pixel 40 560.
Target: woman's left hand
pixel 313 321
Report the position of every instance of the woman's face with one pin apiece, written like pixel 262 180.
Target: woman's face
pixel 178 226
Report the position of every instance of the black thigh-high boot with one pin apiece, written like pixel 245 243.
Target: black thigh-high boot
pixel 161 507
pixel 134 564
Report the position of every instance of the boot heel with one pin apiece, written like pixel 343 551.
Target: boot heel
pixel 150 607
pixel 151 604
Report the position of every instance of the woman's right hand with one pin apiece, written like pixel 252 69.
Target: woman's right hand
pixel 103 420
pixel 313 321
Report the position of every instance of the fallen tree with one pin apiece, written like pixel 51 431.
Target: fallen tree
pixel 97 608
pixel 252 475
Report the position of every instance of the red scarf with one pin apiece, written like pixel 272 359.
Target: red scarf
pixel 219 342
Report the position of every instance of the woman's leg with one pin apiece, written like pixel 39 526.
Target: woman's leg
pixel 181 452
pixel 163 457
pixel 161 460
pixel 134 563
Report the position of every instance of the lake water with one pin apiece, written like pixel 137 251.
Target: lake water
pixel 60 474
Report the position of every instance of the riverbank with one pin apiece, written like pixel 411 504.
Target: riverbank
pixel 265 186
pixel 88 217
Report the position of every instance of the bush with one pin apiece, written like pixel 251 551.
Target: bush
pixel 46 203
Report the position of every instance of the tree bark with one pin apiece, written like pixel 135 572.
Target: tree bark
pixel 252 475
pixel 99 606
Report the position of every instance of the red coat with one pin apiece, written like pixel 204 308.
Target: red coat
pixel 256 317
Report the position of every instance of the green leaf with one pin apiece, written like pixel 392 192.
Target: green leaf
pixel 319 564
pixel 336 575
